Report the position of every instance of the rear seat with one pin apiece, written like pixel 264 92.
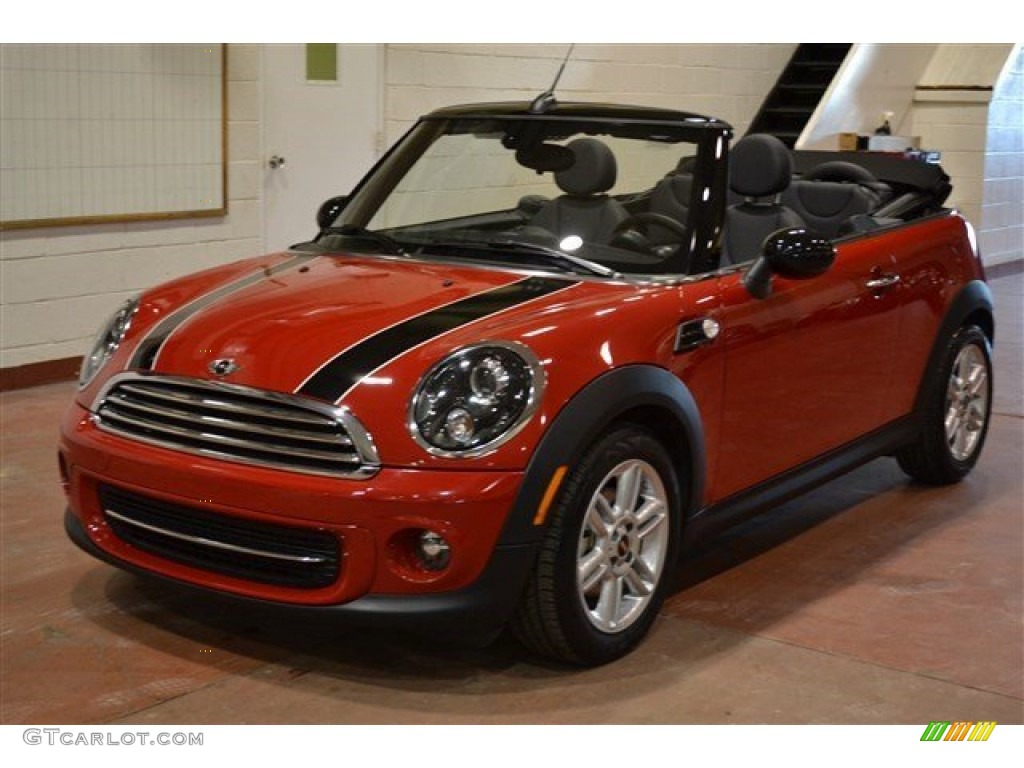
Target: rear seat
pixel 826 205
pixel 833 193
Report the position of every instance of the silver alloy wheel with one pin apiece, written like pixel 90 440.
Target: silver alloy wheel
pixel 966 402
pixel 622 546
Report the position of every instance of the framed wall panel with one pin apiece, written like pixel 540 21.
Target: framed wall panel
pixel 101 133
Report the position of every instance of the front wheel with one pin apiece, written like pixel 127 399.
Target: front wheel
pixel 956 415
pixel 601 575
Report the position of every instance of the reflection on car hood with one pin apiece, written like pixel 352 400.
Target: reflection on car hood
pixel 316 324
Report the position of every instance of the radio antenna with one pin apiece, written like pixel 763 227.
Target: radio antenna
pixel 547 100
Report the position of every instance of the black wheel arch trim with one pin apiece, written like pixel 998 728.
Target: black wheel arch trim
pixel 974 297
pixel 605 400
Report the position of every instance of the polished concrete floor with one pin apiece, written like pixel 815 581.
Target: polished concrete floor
pixel 870 600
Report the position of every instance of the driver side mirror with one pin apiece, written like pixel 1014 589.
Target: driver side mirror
pixel 329 211
pixel 794 253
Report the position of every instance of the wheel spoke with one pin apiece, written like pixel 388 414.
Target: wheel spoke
pixel 962 441
pixel 976 381
pixel 637 584
pixel 654 518
pixel 952 423
pixel 640 577
pixel 591 569
pixel 600 516
pixel 975 417
pixel 628 489
pixel 607 608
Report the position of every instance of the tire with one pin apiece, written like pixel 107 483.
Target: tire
pixel 958 408
pixel 602 572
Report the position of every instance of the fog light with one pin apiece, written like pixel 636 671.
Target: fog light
pixel 433 551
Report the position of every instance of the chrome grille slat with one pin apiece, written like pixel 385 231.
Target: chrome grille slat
pixel 208 542
pixel 236 423
pixel 221 440
pixel 214 422
pixel 212 404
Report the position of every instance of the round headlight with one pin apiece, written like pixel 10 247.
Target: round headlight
pixel 107 341
pixel 476 398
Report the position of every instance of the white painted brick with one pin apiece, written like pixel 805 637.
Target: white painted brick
pixel 245 180
pixel 149 233
pixel 245 219
pixel 243 101
pixel 84 239
pixel 244 141
pixel 404 66
pixel 244 62
pixel 21 244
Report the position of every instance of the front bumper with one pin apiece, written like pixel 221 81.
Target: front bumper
pixel 371 518
pixel 476 611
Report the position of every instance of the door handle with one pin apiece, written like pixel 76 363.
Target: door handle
pixel 276 162
pixel 882 282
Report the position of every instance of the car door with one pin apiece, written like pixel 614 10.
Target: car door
pixel 807 369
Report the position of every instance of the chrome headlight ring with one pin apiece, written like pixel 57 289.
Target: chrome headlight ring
pixel 476 399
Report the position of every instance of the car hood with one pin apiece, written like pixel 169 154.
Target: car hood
pixel 317 324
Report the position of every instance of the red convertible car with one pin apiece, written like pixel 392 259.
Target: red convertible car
pixel 538 351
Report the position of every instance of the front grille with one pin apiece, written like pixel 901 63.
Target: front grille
pixel 281 555
pixel 236 423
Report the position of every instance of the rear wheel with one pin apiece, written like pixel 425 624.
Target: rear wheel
pixel 601 574
pixel 957 412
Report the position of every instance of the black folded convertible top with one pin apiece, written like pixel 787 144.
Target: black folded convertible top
pixel 891 168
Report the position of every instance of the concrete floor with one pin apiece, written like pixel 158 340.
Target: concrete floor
pixel 871 600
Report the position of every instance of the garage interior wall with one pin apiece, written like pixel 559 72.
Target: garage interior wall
pixel 59 284
pixel 969 104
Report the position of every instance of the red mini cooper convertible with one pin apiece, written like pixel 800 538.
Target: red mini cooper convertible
pixel 539 350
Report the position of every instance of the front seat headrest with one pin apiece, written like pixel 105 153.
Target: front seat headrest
pixel 760 166
pixel 593 172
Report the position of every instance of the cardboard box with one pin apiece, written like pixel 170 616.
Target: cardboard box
pixel 847 142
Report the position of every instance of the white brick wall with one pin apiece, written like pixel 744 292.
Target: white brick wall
pixel 727 81
pixel 1001 232
pixel 59 284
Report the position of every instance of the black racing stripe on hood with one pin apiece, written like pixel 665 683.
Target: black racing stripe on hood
pixel 347 369
pixel 145 354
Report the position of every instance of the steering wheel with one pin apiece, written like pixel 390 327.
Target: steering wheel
pixel 643 220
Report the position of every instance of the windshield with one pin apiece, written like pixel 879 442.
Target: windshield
pixel 577 195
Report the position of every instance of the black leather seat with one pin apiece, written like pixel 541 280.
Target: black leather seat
pixel 760 170
pixel 584 209
pixel 830 195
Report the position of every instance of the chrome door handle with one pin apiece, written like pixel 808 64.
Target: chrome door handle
pixel 882 283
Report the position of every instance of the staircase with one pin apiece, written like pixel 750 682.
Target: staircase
pixel 801 85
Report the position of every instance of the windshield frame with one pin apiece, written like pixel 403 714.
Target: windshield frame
pixel 709 138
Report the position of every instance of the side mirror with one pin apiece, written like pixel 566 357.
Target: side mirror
pixel 794 253
pixel 329 211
